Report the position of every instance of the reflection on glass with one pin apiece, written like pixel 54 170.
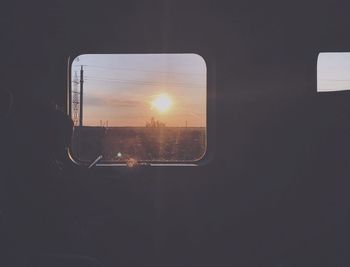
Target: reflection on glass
pixel 142 107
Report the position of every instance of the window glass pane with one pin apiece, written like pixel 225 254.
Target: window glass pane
pixel 143 107
pixel 333 72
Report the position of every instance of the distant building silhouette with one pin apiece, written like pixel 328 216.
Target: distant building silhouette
pixel 155 124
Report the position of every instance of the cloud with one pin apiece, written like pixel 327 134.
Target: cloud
pixel 125 103
pixel 94 101
pixel 112 101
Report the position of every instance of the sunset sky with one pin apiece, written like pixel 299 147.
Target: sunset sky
pixel 127 90
pixel 333 72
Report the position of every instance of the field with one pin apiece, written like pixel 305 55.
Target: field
pixel 118 144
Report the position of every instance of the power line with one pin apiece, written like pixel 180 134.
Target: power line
pixel 126 80
pixel 91 78
pixel 138 70
pixel 156 85
pixel 136 76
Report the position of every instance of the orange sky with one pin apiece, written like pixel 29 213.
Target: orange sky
pixel 120 88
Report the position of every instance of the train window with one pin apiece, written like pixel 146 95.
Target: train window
pixel 145 108
pixel 333 72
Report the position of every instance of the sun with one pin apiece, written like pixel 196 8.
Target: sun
pixel 162 103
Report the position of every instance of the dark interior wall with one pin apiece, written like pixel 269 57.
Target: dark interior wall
pixel 276 191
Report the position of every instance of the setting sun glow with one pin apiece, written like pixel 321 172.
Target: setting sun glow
pixel 162 103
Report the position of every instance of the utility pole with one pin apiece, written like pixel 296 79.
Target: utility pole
pixel 75 100
pixel 81 95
